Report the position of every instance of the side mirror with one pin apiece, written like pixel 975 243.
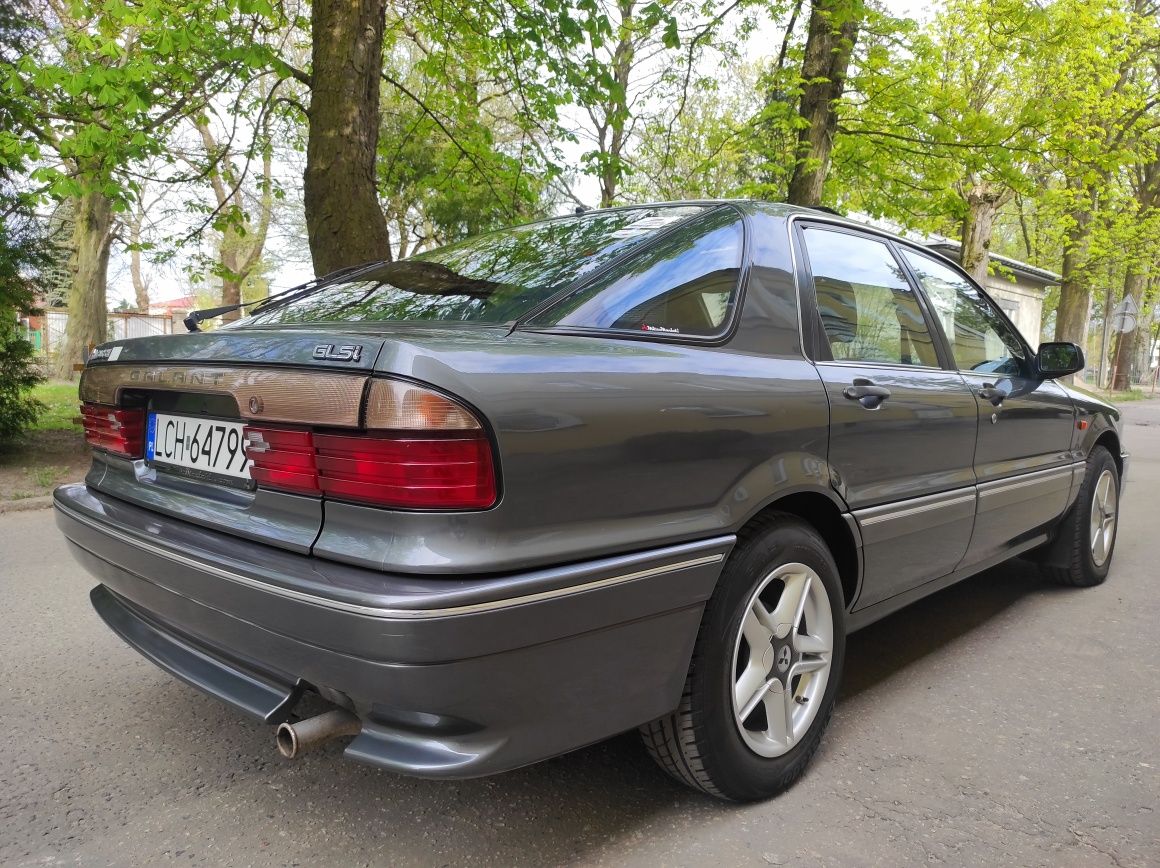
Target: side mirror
pixel 1058 360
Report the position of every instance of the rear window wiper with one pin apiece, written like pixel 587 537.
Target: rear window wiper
pixel 302 290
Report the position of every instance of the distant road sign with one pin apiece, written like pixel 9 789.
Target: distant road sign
pixel 1123 323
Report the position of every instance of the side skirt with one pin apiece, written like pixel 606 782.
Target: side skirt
pixel 865 617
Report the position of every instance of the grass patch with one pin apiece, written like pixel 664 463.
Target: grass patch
pixel 1112 397
pixel 46 477
pixel 1130 395
pixel 63 405
pixel 52 452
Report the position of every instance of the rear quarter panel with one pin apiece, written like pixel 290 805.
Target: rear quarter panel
pixel 610 445
pixel 604 445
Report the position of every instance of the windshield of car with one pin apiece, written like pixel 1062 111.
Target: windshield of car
pixel 493 278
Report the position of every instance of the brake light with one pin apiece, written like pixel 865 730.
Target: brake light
pixel 120 432
pixel 435 454
pixel 282 458
pixel 416 472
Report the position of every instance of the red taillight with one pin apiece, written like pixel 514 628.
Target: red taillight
pixel 409 471
pixel 435 457
pixel 282 458
pixel 121 432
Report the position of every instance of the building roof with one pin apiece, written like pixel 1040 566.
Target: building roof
pixel 173 305
pixel 1033 273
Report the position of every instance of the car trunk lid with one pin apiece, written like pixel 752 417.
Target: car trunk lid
pixel 193 393
pixel 278 381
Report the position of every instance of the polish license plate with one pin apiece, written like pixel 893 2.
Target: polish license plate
pixel 210 445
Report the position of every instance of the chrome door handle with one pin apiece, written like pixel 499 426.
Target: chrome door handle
pixel 866 393
pixel 990 393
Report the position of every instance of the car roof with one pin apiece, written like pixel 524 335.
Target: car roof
pixel 773 209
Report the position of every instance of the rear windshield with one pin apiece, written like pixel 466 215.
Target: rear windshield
pixel 494 278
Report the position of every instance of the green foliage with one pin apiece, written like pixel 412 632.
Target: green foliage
pixel 22 249
pixel 18 410
pixel 712 148
pixel 453 162
pixel 1051 106
pixel 962 107
pixel 110 80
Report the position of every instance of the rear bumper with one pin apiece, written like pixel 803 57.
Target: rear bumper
pixel 451 677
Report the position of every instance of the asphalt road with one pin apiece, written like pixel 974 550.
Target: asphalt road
pixel 999 722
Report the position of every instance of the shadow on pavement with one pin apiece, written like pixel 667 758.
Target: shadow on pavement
pixel 886 647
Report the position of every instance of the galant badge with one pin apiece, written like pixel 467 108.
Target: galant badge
pixel 331 353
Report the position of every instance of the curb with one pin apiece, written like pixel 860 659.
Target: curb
pixel 26 504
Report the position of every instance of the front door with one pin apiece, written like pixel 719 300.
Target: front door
pixel 902 428
pixel 1022 458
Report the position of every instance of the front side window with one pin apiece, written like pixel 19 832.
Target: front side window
pixel 980 339
pixel 869 312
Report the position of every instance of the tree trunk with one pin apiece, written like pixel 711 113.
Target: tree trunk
pixel 401 226
pixel 231 294
pixel 1075 296
pixel 344 221
pixel 1147 192
pixel 89 263
pixel 616 111
pixel 1134 284
pixel 983 203
pixel 140 285
pixel 833 30
pixel 239 247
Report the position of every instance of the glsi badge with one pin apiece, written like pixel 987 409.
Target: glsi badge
pixel 331 353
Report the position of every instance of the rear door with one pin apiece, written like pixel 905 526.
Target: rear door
pixel 1022 459
pixel 902 426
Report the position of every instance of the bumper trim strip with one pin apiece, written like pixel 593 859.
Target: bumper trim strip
pixel 375 611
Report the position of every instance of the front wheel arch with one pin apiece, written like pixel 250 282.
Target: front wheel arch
pixel 1065 559
pixel 1111 442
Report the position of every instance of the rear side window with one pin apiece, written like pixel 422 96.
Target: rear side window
pixel 683 283
pixel 869 312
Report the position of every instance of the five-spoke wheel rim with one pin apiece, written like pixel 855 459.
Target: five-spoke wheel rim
pixel 1103 517
pixel 781 659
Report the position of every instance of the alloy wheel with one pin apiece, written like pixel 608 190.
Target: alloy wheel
pixel 781 659
pixel 1103 517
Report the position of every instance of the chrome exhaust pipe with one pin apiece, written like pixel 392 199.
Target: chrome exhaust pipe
pixel 294 739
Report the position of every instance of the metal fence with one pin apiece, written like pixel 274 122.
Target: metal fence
pixel 49 339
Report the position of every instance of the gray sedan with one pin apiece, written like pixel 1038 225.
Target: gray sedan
pixel 642 467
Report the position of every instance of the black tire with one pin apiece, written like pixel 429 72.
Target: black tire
pixel 1073 563
pixel 699 744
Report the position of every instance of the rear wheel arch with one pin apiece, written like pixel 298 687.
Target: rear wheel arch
pixel 819 510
